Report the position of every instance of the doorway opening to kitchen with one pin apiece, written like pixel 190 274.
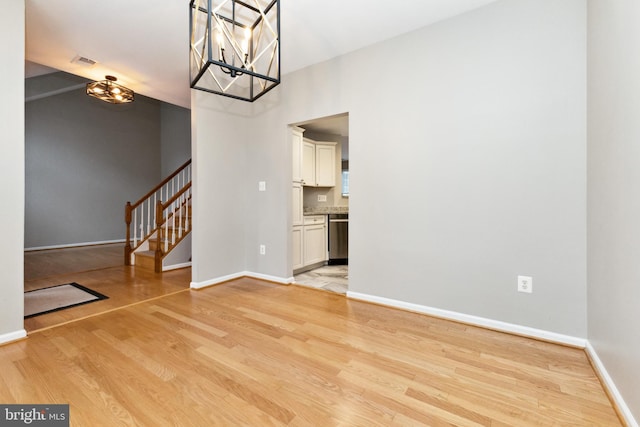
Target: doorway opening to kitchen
pixel 320 203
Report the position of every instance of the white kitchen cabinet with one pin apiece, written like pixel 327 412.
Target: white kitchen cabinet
pixel 297 240
pixel 296 148
pixel 325 164
pixel 308 163
pixel 314 240
pixel 297 204
pixel 318 163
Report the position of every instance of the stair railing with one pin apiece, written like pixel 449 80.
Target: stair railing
pixel 173 222
pixel 140 217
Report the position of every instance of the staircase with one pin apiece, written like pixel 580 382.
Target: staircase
pixel 157 231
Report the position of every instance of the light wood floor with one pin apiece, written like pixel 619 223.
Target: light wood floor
pixel 249 352
pixel 54 262
pixel 101 269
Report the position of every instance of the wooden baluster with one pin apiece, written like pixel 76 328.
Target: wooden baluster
pixel 155 203
pixel 159 221
pixel 180 221
pixel 135 227
pixel 166 235
pixel 127 244
pixel 186 210
pixel 148 217
pixel 173 220
pixel 141 222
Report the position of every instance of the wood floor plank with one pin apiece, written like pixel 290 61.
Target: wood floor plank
pixel 249 352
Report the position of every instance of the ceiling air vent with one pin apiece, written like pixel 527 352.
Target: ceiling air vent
pixel 83 61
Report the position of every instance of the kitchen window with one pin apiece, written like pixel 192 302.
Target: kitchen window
pixel 345 183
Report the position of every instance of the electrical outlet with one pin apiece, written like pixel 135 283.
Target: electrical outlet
pixel 263 249
pixel 322 198
pixel 525 284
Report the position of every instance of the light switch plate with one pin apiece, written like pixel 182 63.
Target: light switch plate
pixel 262 186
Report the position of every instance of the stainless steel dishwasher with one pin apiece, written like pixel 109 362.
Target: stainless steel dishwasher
pixel 338 239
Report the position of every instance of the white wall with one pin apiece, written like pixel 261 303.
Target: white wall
pixel 613 198
pixel 479 158
pixel 468 167
pixel 219 171
pixel 12 169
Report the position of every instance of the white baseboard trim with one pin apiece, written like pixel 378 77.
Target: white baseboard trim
pixel 611 387
pixel 473 320
pixel 12 336
pixel 217 280
pixel 176 266
pixel 269 278
pixel 73 245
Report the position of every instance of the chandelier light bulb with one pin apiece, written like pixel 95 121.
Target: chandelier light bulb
pixel 220 39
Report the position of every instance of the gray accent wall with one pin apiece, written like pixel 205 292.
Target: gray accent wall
pixel 614 196
pixel 175 137
pixel 86 158
pixel 12 170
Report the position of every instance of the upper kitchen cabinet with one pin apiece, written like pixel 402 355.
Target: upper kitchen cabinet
pixel 326 164
pixel 296 137
pixel 318 163
pixel 308 162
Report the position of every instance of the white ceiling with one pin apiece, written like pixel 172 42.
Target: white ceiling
pixel 145 44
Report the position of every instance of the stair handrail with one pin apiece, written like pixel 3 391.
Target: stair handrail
pixel 135 213
pixel 164 181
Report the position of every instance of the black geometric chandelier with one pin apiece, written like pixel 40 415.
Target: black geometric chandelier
pixel 235 47
pixel 109 91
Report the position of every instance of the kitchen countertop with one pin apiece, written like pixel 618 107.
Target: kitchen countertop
pixel 326 210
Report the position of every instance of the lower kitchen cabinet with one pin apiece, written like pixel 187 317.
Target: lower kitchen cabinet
pixel 297 234
pixel 309 242
pixel 314 240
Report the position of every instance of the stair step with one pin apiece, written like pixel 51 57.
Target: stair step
pixel 145 260
pixel 153 244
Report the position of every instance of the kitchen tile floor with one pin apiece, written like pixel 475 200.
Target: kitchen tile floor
pixel 334 278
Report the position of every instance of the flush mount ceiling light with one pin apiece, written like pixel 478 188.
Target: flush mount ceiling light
pixel 235 47
pixel 109 91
